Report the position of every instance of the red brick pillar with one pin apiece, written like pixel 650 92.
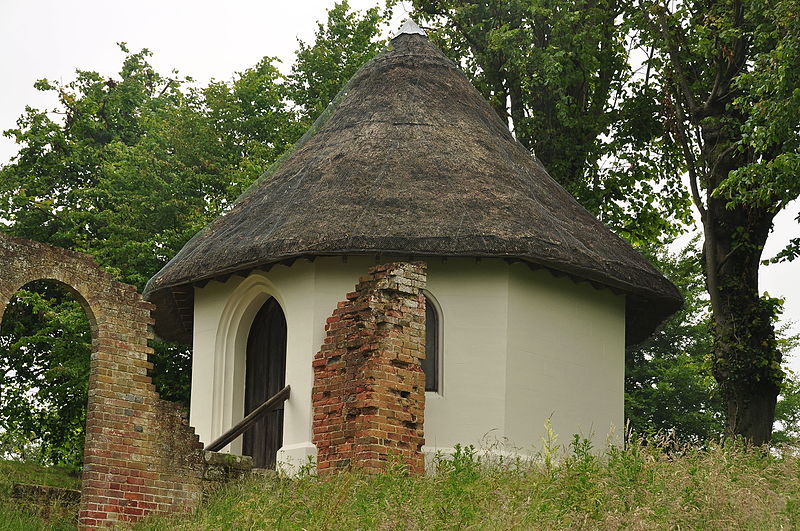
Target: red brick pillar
pixel 140 454
pixel 369 388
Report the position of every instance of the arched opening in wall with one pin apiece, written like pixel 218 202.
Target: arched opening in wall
pixel 265 375
pixel 45 348
pixel 431 365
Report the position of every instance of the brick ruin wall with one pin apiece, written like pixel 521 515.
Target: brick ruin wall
pixel 140 454
pixel 368 397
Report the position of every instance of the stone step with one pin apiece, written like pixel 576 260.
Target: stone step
pixel 264 472
pixel 47 502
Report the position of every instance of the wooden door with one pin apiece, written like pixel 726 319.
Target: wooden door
pixel 265 375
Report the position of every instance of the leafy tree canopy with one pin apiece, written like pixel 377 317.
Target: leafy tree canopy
pixel 341 46
pixel 44 369
pixel 730 79
pixel 669 386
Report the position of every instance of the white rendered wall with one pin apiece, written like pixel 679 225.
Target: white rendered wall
pixel 518 346
pixel 566 359
pixel 473 297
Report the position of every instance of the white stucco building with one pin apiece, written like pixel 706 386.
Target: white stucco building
pixel 533 299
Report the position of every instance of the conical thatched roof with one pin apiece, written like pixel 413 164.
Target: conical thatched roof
pixel 411 160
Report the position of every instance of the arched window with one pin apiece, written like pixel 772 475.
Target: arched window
pixel 430 365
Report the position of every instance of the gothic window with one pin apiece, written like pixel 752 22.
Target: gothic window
pixel 430 365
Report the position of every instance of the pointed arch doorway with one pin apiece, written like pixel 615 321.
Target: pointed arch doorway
pixel 265 375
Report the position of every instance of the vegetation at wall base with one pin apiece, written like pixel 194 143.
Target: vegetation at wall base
pixel 652 484
pixel 655 483
pixel 15 516
pixel 14 519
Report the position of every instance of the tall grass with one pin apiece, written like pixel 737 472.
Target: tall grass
pixel 13 518
pixel 655 484
pixel 16 516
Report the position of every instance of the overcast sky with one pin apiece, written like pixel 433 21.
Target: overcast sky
pixel 204 39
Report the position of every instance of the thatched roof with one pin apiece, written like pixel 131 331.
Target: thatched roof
pixel 411 160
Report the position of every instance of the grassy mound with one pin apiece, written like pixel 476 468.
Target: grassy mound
pixel 17 516
pixel 641 487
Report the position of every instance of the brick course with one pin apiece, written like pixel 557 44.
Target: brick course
pixel 368 397
pixel 140 455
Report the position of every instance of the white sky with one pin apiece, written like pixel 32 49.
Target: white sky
pixel 51 38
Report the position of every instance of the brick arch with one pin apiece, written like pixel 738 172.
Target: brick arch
pixel 15 276
pixel 140 455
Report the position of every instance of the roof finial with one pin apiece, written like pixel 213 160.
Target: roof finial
pixel 409 26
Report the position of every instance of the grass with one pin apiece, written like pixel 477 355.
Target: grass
pixel 12 472
pixel 15 516
pixel 641 487
pixel 657 485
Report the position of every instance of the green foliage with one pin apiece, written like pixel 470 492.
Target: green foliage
pixel 669 386
pixel 128 176
pixel 44 370
pixel 669 382
pixel 252 121
pixel 730 80
pixel 637 487
pixel 133 166
pixel 749 358
pixel 787 412
pixel 340 48
pixel 172 371
pixel 768 95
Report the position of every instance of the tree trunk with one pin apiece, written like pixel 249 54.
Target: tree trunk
pixel 746 358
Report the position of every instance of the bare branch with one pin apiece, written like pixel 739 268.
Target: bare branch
pixel 715 91
pixel 691 163
pixel 170 82
pixel 674 55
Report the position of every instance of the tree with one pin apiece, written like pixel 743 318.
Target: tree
pixel 253 120
pixel 136 167
pixel 730 73
pixel 669 381
pixel 44 371
pixel 787 412
pixel 341 46
pixel 559 73
pixel 669 386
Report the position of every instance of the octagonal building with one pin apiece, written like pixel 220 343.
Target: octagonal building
pixel 530 300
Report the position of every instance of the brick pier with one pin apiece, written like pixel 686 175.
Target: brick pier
pixel 369 388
